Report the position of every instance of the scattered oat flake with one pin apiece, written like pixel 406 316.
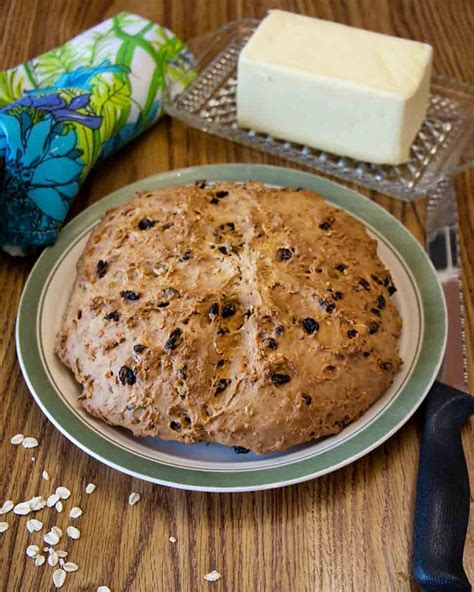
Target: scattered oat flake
pixel 62 553
pixel 57 530
pixel 7 506
pixel 70 566
pixel 53 559
pixel 75 512
pixel 52 500
pixel 51 537
pixel 63 492
pixel 133 498
pixel 172 540
pixel 32 550
pixel 90 488
pixel 59 506
pixel 3 526
pixel 103 589
pixel 30 442
pixel 45 475
pixel 22 508
pixel 18 439
pixel 73 532
pixel 37 503
pixel 213 576
pixel 39 560
pixel 59 575
pixel 34 525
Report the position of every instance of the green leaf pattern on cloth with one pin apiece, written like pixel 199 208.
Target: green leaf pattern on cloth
pixel 62 111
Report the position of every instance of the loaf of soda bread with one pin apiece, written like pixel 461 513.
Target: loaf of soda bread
pixel 239 314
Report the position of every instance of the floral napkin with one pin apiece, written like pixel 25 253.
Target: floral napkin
pixel 62 111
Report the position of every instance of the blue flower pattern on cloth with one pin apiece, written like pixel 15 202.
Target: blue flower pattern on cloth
pixel 62 111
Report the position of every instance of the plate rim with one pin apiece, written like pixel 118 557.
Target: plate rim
pixel 202 480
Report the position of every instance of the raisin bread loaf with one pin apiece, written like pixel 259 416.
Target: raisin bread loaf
pixel 241 314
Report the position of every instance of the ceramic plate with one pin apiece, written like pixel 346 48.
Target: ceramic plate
pixel 214 467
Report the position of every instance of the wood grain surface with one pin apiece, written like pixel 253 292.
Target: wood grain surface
pixel 351 530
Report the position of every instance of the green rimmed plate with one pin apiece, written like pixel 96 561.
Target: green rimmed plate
pixel 214 467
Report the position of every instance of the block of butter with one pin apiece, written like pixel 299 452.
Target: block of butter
pixel 336 88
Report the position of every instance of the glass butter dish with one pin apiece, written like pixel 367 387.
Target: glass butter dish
pixel 443 146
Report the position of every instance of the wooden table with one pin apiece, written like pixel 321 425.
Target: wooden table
pixel 350 530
